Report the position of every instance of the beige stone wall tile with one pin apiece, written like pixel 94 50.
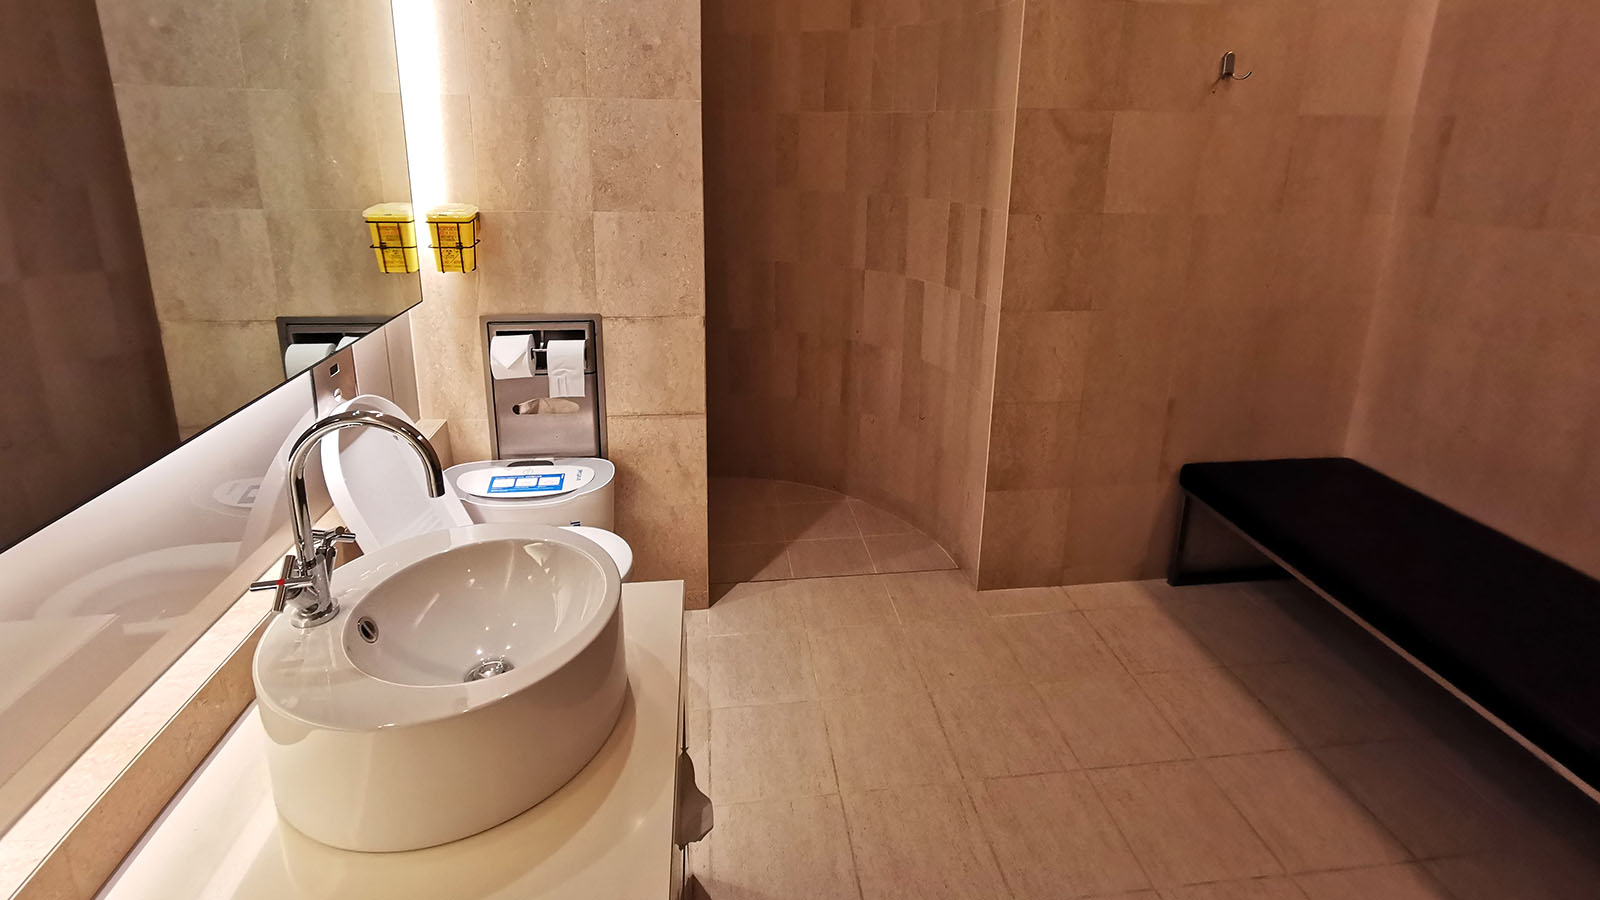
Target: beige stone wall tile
pixel 321 262
pixel 524 49
pixel 537 262
pixel 661 491
pixel 655 366
pixel 210 265
pixel 645 155
pixel 1072 54
pixel 1022 538
pixel 1155 162
pixel 285 44
pixel 1166 57
pixel 214 365
pixel 646 50
pixel 1332 164
pixel 1061 161
pixel 315 149
pixel 649 264
pixel 533 154
pixel 170 42
pixel 189 147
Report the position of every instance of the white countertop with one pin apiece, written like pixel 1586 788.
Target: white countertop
pixel 607 834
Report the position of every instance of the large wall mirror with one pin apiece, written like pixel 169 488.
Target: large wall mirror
pixel 182 186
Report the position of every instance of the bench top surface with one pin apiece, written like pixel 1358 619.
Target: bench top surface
pixel 1512 628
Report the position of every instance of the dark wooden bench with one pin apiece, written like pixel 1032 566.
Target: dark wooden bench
pixel 1513 632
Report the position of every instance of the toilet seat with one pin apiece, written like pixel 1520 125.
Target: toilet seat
pixel 609 541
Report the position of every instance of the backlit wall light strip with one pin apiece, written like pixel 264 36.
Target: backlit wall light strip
pixel 416 36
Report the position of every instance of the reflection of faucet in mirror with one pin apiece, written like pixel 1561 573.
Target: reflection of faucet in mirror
pixel 304 578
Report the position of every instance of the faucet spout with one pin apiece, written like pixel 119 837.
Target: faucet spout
pixel 305 580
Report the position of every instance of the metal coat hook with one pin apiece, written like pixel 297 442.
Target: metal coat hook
pixel 1229 64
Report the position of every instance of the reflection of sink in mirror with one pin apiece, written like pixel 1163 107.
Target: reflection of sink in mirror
pixel 467 675
pixel 45 665
pixel 146 592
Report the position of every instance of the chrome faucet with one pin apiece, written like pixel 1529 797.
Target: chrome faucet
pixel 303 580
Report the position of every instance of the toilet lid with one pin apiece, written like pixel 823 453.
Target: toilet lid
pixel 378 485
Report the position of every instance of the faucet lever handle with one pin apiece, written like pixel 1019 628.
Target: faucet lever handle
pixel 340 535
pixel 281 584
pixel 327 541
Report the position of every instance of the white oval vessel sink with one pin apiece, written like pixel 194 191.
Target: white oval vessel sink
pixel 468 675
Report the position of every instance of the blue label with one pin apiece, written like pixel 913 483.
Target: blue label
pixel 527 484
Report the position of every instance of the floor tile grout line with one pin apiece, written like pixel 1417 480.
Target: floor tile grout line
pixel 1127 843
pixel 827 741
pixel 1055 727
pixel 983 831
pixel 1294 739
pixel 850 841
pixel 1127 671
pixel 1232 804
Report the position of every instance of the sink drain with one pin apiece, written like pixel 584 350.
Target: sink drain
pixel 488 668
pixel 367 628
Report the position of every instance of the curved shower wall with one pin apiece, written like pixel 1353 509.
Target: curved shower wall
pixel 858 161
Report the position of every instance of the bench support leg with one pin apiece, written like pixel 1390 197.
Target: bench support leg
pixel 1207 550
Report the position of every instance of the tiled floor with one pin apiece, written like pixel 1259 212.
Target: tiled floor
pixel 767 530
pixel 903 736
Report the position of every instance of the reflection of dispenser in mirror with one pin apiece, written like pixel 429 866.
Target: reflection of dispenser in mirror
pixel 307 340
pixel 545 387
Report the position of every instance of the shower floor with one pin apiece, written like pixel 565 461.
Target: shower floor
pixel 905 736
pixel 765 530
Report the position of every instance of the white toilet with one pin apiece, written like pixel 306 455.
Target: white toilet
pixel 378 489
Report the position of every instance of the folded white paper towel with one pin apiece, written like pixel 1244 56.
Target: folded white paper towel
pixel 511 356
pixel 564 362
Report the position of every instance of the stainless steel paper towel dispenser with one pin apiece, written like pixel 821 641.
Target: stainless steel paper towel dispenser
pixel 524 420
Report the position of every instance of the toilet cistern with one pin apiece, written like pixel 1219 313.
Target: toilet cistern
pixel 303 580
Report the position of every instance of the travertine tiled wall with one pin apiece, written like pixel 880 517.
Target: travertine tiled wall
pixel 858 157
pixel 575 126
pixel 1481 376
pixel 1190 266
pixel 83 392
pixel 257 131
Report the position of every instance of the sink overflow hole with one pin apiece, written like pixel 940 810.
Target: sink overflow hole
pixel 368 629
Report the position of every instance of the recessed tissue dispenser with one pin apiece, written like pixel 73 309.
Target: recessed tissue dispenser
pixel 546 387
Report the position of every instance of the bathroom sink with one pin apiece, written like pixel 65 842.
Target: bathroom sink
pixel 468 674
pixel 509 601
